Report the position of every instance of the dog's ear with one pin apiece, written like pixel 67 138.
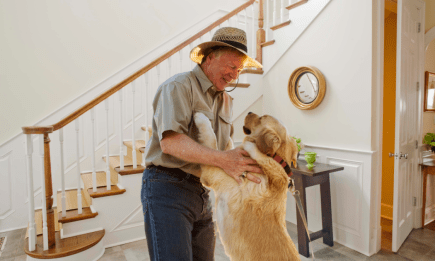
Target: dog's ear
pixel 268 141
pixel 292 150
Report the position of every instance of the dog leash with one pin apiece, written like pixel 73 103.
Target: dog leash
pixel 296 193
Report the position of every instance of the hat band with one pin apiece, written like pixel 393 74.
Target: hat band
pixel 236 44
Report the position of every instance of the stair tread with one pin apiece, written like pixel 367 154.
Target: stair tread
pixel 115 163
pixel 38 222
pixel 240 85
pixel 267 43
pixel 103 192
pixel 101 179
pixel 64 247
pixel 252 71
pixel 73 215
pixel 71 200
pixel 301 2
pixel 139 144
pixel 275 27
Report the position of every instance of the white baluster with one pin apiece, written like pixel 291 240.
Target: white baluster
pixel 180 55
pixel 266 18
pixel 62 173
pixel 44 201
pixel 158 74
pixel 79 186
pixel 274 13
pixel 109 187
pixel 254 47
pixel 121 128
pixel 133 90
pixel 147 137
pixel 169 66
pixel 282 11
pixel 246 21
pixel 94 172
pixel 146 116
pixel 192 64
pixel 32 231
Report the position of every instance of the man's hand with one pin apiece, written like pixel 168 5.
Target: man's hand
pixel 236 162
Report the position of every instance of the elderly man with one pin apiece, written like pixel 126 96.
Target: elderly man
pixel 176 206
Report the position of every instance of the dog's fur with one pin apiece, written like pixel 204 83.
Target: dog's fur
pixel 251 217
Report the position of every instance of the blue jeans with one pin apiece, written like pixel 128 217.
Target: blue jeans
pixel 178 217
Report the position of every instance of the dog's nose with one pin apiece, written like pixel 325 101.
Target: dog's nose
pixel 249 112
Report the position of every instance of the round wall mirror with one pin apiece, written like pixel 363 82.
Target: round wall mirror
pixel 306 87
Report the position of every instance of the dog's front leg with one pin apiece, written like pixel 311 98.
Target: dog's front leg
pixel 207 138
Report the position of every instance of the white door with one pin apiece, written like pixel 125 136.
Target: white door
pixel 406 164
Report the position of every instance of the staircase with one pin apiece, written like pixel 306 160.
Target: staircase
pixel 103 209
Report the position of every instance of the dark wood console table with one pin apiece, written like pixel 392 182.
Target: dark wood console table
pixel 304 178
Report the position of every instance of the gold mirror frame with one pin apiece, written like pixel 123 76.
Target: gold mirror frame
pixel 292 87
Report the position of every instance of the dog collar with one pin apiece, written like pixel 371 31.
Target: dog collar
pixel 283 164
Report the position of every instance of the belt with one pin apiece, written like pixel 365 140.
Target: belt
pixel 175 172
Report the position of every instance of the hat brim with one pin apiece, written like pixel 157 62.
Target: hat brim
pixel 197 53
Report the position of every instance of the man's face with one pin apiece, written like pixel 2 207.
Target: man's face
pixel 224 69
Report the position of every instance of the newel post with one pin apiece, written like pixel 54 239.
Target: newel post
pixel 49 192
pixel 261 34
pixel 48 226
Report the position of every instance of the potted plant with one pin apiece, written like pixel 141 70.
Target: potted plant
pixel 299 144
pixel 429 139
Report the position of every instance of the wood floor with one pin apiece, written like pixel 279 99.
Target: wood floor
pixel 387 237
pixel 431 226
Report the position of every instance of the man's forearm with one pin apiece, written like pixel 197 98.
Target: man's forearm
pixel 185 148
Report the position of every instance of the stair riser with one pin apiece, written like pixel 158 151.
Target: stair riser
pixel 113 211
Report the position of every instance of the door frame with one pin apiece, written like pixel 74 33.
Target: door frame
pixel 378 20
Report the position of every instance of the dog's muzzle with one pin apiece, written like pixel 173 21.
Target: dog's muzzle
pixel 246 130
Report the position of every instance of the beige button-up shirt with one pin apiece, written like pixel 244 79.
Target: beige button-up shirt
pixel 175 102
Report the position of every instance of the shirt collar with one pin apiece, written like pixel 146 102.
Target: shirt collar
pixel 204 81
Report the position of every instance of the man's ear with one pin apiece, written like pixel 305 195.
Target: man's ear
pixel 268 141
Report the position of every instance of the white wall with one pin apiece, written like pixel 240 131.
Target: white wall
pixel 339 44
pixel 54 51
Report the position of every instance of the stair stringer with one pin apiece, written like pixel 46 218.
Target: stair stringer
pixel 120 215
pixel 301 17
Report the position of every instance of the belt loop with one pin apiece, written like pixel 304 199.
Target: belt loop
pixel 186 177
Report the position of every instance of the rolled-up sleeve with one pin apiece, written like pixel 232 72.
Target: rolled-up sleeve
pixel 173 108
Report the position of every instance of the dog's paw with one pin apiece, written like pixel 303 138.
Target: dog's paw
pixel 206 134
pixel 252 149
pixel 201 120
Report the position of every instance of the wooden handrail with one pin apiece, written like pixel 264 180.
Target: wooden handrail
pixel 108 93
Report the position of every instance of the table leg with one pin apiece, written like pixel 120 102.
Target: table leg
pixel 303 243
pixel 423 210
pixel 325 194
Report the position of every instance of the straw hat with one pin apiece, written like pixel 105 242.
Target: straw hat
pixel 226 36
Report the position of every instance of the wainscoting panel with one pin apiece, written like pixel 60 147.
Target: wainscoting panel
pixel 350 197
pixel 5 186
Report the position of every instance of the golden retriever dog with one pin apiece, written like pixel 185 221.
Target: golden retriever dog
pixel 251 217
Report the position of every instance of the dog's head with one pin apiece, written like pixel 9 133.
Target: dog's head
pixel 270 136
